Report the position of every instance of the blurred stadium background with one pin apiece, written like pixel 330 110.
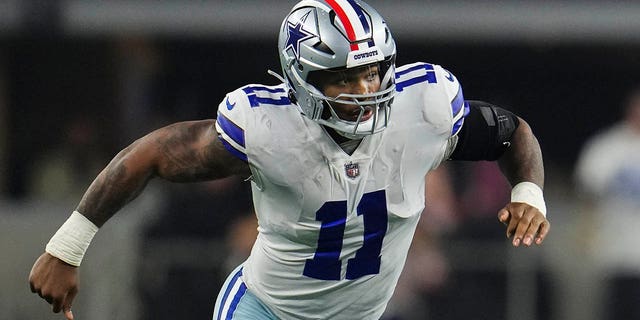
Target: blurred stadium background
pixel 79 80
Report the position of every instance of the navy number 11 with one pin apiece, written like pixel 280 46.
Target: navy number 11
pixel 326 264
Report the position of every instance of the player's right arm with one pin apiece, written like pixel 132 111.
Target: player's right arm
pixel 181 152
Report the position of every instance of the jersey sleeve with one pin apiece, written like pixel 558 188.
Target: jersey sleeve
pixel 453 90
pixel 232 121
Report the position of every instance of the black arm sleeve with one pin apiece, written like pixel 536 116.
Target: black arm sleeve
pixel 486 132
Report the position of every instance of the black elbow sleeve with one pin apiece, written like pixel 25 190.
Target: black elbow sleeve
pixel 486 132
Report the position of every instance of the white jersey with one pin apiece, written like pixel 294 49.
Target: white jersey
pixel 334 228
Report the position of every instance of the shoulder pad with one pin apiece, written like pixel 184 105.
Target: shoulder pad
pixel 453 90
pixel 236 111
pixel 232 121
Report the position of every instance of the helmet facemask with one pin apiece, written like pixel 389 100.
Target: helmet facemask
pixel 353 115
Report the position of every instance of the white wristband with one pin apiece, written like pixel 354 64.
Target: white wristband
pixel 529 193
pixel 71 241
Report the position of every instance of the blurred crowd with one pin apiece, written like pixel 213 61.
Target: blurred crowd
pixel 67 108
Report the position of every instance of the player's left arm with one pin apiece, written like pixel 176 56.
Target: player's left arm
pixel 493 133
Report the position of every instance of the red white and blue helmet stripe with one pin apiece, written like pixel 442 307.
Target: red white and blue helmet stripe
pixel 355 21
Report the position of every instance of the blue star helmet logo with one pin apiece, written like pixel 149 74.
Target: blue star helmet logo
pixel 297 34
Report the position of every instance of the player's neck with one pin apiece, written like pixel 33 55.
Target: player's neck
pixel 348 145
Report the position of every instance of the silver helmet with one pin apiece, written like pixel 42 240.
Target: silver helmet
pixel 334 35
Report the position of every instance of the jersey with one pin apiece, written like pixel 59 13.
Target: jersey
pixel 335 228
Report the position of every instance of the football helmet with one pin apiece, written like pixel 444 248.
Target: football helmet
pixel 334 35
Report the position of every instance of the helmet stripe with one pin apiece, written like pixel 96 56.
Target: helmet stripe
pixel 366 29
pixel 361 15
pixel 357 17
pixel 344 18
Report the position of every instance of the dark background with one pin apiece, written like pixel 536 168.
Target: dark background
pixel 565 92
pixel 72 97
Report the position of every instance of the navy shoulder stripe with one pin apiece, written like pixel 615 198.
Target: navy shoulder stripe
pixel 231 136
pixel 424 72
pixel 459 110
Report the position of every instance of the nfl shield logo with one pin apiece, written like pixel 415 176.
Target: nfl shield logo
pixel 352 170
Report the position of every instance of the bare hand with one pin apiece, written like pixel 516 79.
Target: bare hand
pixel 56 282
pixel 525 223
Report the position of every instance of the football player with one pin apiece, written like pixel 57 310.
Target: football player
pixel 336 154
